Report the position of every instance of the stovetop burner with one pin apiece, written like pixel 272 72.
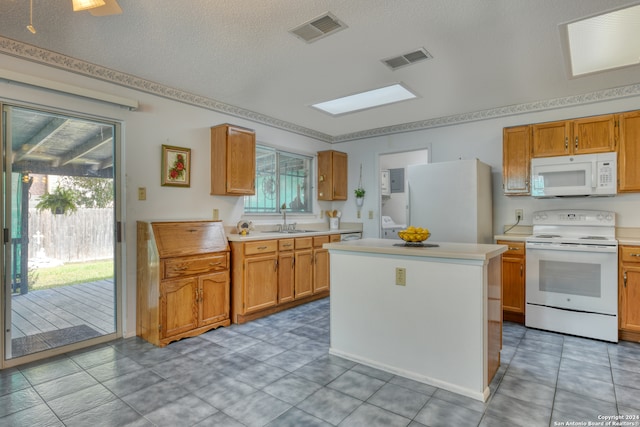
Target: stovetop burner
pixel 574 227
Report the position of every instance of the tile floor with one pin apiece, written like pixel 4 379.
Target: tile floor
pixel 276 372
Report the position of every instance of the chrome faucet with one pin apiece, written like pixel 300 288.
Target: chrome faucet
pixel 284 216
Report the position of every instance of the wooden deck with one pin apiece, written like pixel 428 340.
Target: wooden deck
pixel 91 304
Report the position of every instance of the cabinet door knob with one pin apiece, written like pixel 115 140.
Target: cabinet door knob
pixel 634 254
pixel 576 142
pixel 624 279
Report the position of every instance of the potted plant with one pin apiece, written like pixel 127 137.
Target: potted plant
pixel 61 201
pixel 359 192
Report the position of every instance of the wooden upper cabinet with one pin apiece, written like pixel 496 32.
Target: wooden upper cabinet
pixel 332 175
pixel 579 136
pixel 594 134
pixel 629 152
pixel 516 156
pixel 551 139
pixel 233 160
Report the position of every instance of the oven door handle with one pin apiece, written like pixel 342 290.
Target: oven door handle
pixel 571 247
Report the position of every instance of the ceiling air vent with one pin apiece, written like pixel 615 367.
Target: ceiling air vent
pixel 318 28
pixel 403 60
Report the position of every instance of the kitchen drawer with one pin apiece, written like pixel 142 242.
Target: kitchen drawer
pixel 630 253
pixel 334 238
pixel 515 248
pixel 304 242
pixel 261 247
pixel 185 266
pixel 285 245
pixel 318 241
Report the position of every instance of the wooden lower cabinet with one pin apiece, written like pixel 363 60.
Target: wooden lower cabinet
pixel 272 275
pixel 208 294
pixel 183 284
pixel 629 293
pixel 286 265
pixel 215 290
pixel 513 281
pixel 321 269
pixel 303 277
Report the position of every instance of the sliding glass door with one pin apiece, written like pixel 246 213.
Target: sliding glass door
pixel 60 240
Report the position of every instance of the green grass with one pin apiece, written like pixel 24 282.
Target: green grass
pixel 69 274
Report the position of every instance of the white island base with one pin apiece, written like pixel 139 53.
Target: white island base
pixel 443 327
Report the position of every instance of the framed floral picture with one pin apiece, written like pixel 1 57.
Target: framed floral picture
pixel 176 166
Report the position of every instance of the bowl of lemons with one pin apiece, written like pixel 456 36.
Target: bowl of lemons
pixel 414 234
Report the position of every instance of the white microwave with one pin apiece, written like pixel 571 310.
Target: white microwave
pixel 579 175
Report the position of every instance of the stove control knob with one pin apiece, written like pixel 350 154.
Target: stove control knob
pixel 600 217
pixel 609 217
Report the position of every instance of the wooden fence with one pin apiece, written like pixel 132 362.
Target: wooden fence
pixel 84 235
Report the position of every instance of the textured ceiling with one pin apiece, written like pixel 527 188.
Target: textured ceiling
pixel 487 54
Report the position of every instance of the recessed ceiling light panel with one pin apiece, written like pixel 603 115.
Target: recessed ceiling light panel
pixel 603 42
pixel 365 100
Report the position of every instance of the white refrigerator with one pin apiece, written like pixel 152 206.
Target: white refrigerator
pixel 452 199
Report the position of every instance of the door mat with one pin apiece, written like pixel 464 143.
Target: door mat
pixel 52 339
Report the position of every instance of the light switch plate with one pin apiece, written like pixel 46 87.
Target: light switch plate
pixel 401 276
pixel 142 193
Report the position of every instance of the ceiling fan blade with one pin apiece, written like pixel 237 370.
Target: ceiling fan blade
pixel 111 7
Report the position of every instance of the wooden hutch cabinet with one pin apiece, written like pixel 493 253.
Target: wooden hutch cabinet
pixel 233 161
pixel 183 284
pixel 332 175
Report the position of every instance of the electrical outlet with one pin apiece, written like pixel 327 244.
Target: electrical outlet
pixel 358 214
pixel 519 214
pixel 370 214
pixel 142 193
pixel 401 276
pixel 216 214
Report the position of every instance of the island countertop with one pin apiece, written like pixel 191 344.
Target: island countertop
pixel 467 251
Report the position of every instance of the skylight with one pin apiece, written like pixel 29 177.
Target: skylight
pixel 370 99
pixel 604 42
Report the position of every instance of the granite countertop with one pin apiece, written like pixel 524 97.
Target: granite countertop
pixel 466 251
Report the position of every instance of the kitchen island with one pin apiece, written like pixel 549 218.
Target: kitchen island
pixel 432 314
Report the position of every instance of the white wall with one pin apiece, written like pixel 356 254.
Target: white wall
pixel 161 121
pixel 158 121
pixel 483 140
pixel 395 205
